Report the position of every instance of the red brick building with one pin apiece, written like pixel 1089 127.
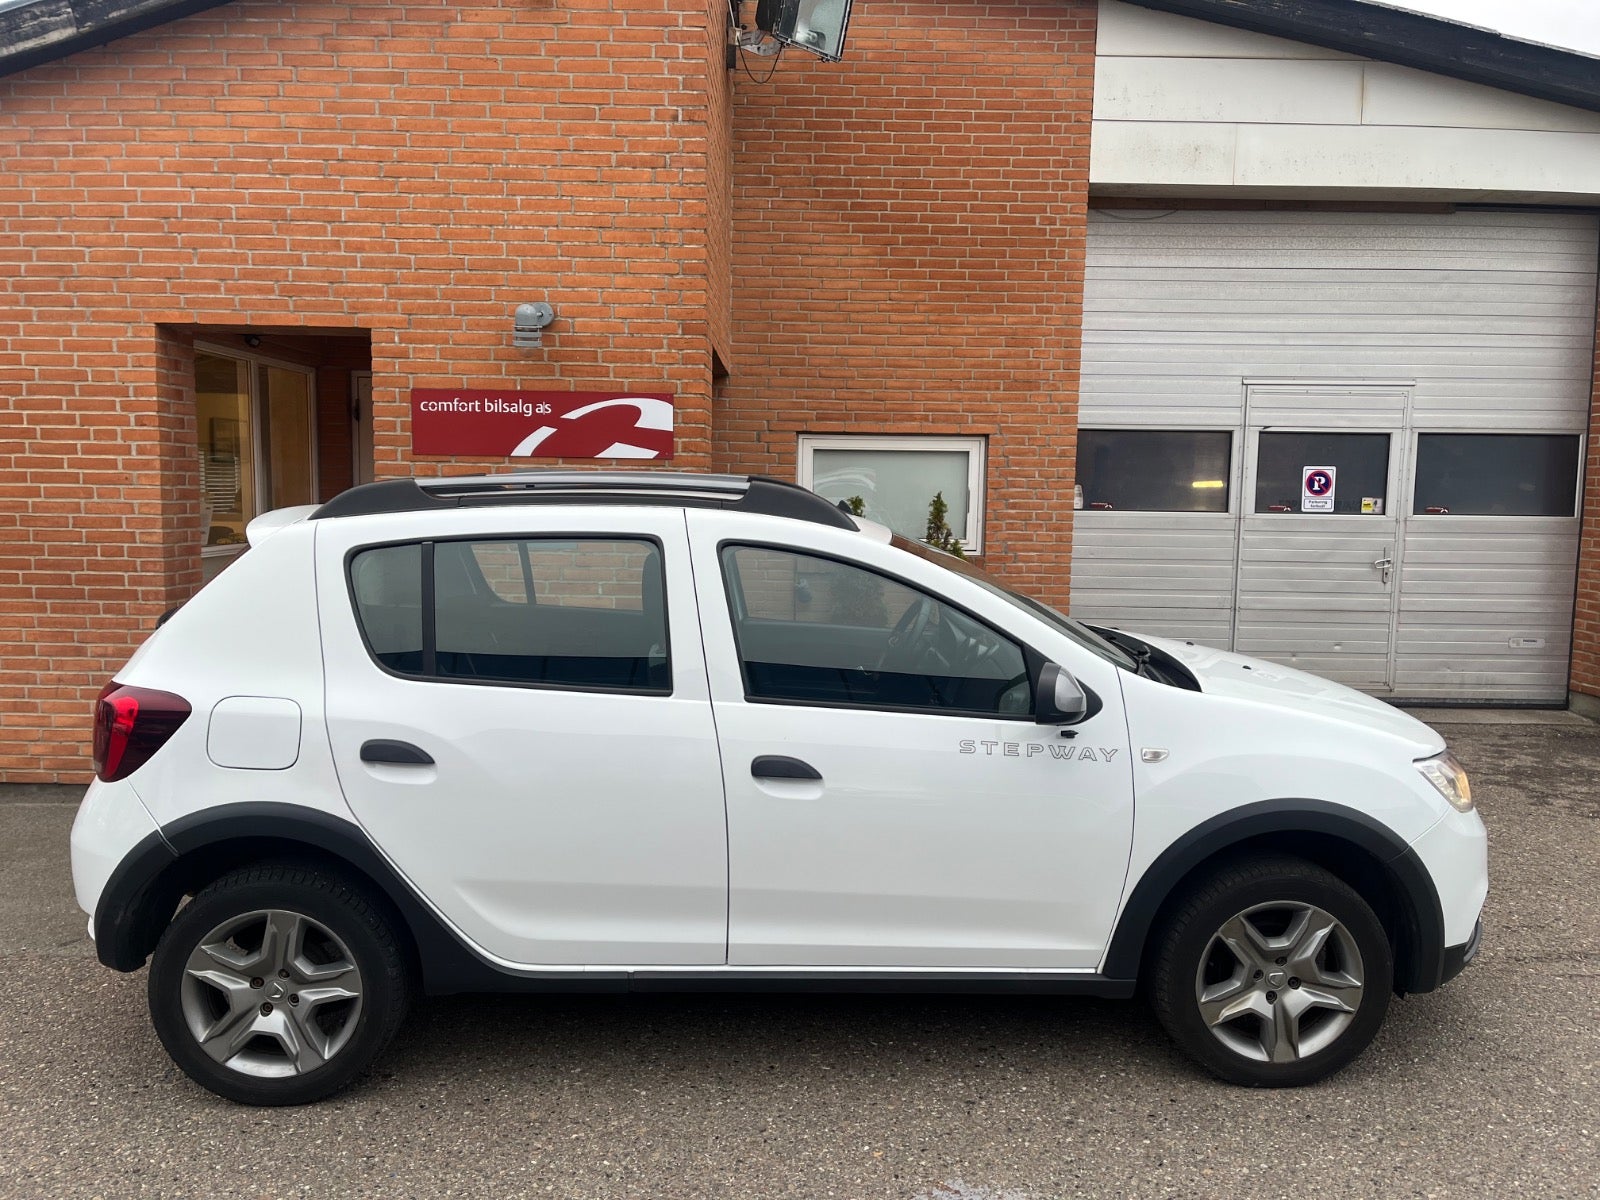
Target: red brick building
pixel 236 240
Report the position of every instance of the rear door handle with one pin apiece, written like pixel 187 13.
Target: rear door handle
pixel 776 766
pixel 382 750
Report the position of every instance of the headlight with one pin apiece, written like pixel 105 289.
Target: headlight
pixel 1445 773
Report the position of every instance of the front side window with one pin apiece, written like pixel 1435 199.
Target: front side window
pixel 1154 470
pixel 586 613
pixel 897 481
pixel 818 631
pixel 1497 474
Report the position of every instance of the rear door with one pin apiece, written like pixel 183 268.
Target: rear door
pixel 521 722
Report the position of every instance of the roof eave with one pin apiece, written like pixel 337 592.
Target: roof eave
pixel 1410 39
pixel 40 32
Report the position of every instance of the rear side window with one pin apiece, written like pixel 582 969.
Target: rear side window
pixel 587 613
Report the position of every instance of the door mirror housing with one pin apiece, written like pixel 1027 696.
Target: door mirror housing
pixel 1058 698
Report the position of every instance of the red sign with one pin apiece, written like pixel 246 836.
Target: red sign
pixel 541 424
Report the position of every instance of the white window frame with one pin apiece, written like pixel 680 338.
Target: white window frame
pixel 975 448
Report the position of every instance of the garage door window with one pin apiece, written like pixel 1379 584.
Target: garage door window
pixel 1359 475
pixel 1154 470
pixel 1497 475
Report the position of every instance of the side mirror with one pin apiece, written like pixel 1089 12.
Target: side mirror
pixel 1057 697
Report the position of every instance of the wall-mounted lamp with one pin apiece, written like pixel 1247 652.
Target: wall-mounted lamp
pixel 527 327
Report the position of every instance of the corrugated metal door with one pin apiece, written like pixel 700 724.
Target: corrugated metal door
pixel 1475 324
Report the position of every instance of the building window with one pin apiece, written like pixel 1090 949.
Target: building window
pixel 256 429
pixel 1154 470
pixel 896 479
pixel 1497 475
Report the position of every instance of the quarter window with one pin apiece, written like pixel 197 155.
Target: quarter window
pixel 1496 475
pixel 817 631
pixel 581 612
pixel 1154 470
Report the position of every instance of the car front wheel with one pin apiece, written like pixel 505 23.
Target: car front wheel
pixel 277 985
pixel 1273 973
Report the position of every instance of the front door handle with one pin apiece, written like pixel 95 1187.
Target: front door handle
pixel 382 750
pixel 776 766
pixel 1383 564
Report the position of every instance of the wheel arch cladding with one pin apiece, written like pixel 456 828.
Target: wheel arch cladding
pixel 1358 849
pixel 145 890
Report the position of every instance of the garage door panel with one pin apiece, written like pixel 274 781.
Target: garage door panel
pixel 1482 322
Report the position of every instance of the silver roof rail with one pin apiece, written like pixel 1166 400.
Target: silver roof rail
pixel 741 493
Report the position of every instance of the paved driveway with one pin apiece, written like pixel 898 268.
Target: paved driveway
pixel 1487 1088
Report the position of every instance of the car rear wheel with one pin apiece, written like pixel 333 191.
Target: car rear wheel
pixel 1273 973
pixel 277 985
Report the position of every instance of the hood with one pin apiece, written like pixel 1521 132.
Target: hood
pixel 1223 673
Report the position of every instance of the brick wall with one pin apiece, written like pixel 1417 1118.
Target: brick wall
pixel 1586 615
pixel 719 184
pixel 909 230
pixel 409 173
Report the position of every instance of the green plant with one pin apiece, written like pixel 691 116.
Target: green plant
pixel 939 535
pixel 856 505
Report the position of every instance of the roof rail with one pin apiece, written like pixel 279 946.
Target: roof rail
pixel 739 493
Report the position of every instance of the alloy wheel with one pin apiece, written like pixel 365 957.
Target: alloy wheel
pixel 1279 982
pixel 271 993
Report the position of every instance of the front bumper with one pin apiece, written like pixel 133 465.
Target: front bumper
pixel 1456 958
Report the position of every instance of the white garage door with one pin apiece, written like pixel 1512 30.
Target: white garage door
pixel 1439 364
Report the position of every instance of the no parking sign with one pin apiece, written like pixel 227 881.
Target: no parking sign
pixel 1316 489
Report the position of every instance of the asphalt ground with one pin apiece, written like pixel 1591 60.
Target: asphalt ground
pixel 1485 1088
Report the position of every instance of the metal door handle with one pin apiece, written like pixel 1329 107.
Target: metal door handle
pixel 776 766
pixel 1383 564
pixel 382 750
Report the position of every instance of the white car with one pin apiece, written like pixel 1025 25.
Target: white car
pixel 611 731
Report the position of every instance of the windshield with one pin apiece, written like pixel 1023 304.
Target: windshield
pixel 1078 632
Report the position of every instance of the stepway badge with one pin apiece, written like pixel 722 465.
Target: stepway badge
pixel 1316 489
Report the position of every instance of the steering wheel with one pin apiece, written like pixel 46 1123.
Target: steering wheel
pixel 908 630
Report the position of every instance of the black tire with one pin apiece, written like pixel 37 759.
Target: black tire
pixel 343 942
pixel 1194 963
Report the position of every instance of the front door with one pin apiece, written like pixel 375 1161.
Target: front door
pixel 1319 534
pixel 521 723
pixel 891 802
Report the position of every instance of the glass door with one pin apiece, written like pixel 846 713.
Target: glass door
pixel 256 429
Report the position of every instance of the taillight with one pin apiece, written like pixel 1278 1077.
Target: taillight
pixel 131 724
